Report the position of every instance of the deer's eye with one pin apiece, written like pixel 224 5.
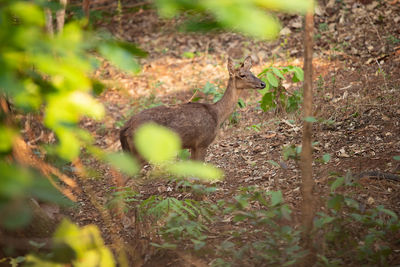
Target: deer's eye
pixel 242 75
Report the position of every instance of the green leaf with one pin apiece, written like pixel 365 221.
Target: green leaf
pixel 326 158
pixel 276 198
pixel 227 245
pixel 184 154
pixel 196 169
pixel 337 183
pixel 298 74
pixel 388 212
pixel 336 202
pixel 120 57
pixel 296 6
pixel 164 245
pixel 124 162
pixel 267 101
pixel 274 163
pixel 86 242
pixel 396 158
pixel 272 79
pixel 157 144
pixel 310 119
pixel 6 138
pixel 241 103
pixel 294 101
pixel 267 87
pixel 18 217
pixel 357 217
pixel 98 87
pixel 69 146
pixel 131 48
pixel 189 55
pixel 198 244
pixel 298 150
pixel 291 152
pixel 28 13
pixel 244 18
pixel 278 73
pixel 352 203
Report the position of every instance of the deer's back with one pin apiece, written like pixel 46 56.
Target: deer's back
pixel 196 123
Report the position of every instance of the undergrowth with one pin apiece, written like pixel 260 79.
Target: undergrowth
pixel 259 230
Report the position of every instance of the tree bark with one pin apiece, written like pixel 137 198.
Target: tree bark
pixel 86 8
pixel 61 16
pixel 49 22
pixel 308 205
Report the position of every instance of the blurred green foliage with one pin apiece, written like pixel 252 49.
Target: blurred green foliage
pixel 52 75
pixel 37 69
pixel 161 146
pixel 74 246
pixel 41 73
pixel 252 17
pixel 156 143
pixel 17 186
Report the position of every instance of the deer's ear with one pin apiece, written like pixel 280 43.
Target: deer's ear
pixel 231 67
pixel 247 63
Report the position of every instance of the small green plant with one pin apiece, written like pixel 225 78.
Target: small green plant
pixel 182 220
pixel 317 36
pixel 212 90
pixel 255 127
pixel 323 27
pixel 234 118
pixel 275 95
pixel 392 40
pixel 320 84
pixel 291 152
pixel 122 198
pixel 150 102
pixel 184 154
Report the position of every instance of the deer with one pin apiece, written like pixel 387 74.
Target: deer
pixel 197 124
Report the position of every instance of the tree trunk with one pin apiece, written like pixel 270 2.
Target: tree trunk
pixel 308 205
pixel 86 8
pixel 49 22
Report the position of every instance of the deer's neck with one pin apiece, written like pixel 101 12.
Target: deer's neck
pixel 227 104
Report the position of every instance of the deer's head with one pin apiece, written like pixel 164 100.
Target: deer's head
pixel 243 77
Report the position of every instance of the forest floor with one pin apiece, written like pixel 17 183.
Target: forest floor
pixel 356 87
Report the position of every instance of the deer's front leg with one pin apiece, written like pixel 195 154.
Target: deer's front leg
pixel 198 153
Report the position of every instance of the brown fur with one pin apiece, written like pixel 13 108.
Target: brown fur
pixel 196 123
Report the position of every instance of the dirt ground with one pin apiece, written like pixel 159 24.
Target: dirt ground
pixel 356 85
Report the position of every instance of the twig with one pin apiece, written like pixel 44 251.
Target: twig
pixel 24 155
pixel 195 93
pixel 383 74
pixel 373 25
pixel 346 87
pixel 32 142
